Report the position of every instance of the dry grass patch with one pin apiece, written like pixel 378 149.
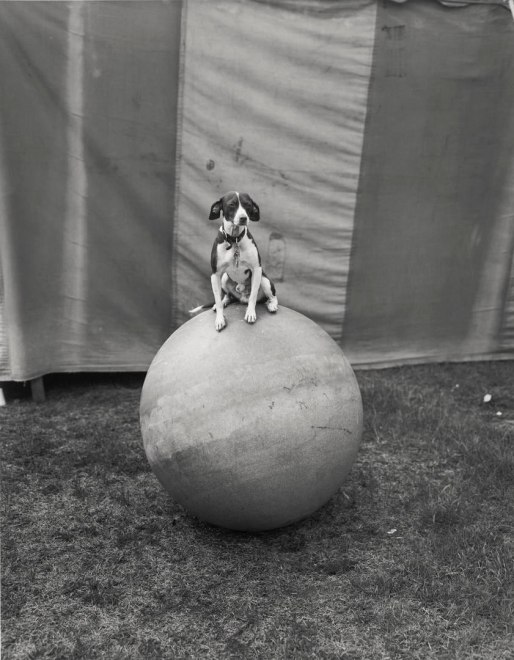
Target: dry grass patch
pixel 411 559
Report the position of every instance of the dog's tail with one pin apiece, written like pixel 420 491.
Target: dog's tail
pixel 200 308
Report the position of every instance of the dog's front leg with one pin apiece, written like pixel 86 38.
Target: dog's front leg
pixel 220 322
pixel 251 315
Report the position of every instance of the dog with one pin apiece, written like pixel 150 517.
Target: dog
pixel 236 268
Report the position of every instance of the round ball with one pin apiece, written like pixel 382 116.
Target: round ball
pixel 254 427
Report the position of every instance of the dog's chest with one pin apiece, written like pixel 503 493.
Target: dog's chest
pixel 238 257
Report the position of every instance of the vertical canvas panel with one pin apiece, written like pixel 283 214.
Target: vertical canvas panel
pixel 88 124
pixel 130 95
pixel 274 104
pixel 432 239
pixel 33 41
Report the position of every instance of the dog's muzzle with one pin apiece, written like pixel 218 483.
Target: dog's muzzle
pixel 237 230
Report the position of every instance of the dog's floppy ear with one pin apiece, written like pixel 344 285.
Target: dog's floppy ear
pixel 216 209
pixel 253 213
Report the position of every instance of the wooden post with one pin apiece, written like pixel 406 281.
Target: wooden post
pixel 37 387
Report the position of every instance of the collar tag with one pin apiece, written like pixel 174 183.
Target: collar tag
pixel 233 240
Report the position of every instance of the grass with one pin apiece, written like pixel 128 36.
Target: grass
pixel 413 557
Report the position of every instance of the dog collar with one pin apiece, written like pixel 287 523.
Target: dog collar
pixel 233 239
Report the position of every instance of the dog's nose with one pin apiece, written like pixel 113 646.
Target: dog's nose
pixel 243 220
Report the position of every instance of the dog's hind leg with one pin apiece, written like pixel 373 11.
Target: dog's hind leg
pixel 269 291
pixel 227 300
pixel 229 297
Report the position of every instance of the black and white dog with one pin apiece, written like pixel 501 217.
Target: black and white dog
pixel 235 260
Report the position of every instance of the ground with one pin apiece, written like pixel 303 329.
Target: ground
pixel 412 558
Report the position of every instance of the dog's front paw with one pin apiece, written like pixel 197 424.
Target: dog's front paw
pixel 272 304
pixel 220 323
pixel 250 316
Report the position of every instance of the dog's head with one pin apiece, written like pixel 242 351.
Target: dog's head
pixel 235 209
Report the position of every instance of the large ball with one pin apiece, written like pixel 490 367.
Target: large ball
pixel 254 427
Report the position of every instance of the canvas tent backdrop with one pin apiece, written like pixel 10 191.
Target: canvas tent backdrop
pixel 377 138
